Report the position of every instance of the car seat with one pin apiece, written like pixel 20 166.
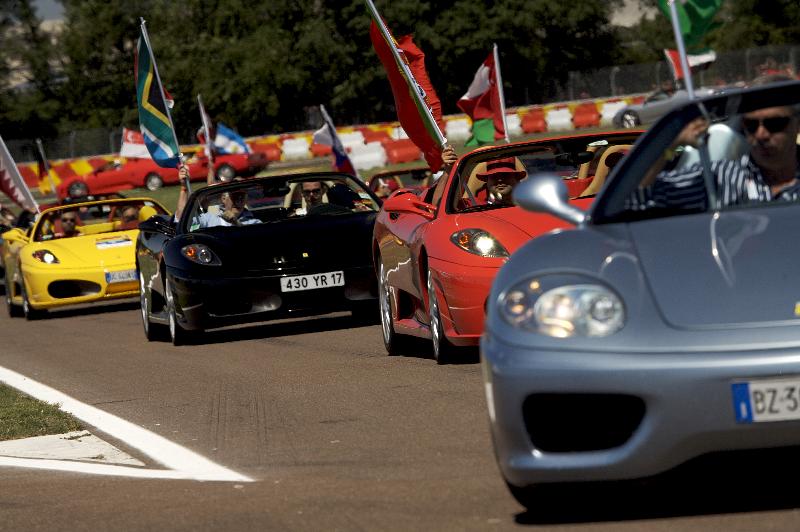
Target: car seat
pixel 608 160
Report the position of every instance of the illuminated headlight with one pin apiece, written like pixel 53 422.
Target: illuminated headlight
pixel 200 254
pixel 589 310
pixel 478 242
pixel 45 256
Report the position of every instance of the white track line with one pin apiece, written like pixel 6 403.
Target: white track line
pixel 184 463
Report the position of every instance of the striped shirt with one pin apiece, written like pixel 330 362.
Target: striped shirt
pixel 738 182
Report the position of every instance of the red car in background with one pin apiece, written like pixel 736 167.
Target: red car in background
pixel 144 173
pixel 437 250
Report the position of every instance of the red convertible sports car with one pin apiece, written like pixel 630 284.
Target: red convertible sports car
pixel 437 250
pixel 138 173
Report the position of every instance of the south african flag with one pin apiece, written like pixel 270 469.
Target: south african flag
pixel 155 121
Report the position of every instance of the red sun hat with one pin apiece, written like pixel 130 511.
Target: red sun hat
pixel 506 165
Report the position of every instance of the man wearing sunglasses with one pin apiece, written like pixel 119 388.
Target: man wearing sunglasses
pixel 313 192
pixel 69 225
pixel 769 171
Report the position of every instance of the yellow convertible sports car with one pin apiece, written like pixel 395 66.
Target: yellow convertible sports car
pixel 75 254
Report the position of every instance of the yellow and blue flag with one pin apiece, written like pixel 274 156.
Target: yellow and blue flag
pixel 155 121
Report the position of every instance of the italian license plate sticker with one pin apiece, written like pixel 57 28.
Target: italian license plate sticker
pixel 122 276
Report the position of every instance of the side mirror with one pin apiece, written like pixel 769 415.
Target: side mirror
pixel 409 203
pixel 157 224
pixel 547 193
pixel 15 235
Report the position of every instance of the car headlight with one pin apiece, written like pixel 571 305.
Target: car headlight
pixel 478 242
pixel 589 310
pixel 45 256
pixel 201 254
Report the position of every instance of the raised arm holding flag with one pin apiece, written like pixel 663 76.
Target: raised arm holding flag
pixel 418 107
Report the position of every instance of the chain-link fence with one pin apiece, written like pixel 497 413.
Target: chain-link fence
pixel 78 143
pixel 730 68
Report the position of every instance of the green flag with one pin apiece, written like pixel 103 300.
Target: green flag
pixel 695 16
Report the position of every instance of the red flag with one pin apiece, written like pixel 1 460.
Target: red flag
pixel 695 61
pixel 11 181
pixel 411 118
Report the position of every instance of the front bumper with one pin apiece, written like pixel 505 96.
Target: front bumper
pixel 687 399
pixel 206 303
pixel 54 286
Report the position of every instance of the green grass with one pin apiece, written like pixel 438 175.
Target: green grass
pixel 23 417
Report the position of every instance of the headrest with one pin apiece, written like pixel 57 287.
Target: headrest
pixel 146 212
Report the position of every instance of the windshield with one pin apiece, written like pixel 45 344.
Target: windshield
pixel 486 180
pixel 94 219
pixel 751 142
pixel 258 201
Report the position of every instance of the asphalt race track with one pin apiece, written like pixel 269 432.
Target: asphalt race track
pixel 336 434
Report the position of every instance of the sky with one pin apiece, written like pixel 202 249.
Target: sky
pixel 49 9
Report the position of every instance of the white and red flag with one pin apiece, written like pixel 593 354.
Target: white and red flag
pixel 697 60
pixel 484 103
pixel 11 181
pixel 133 146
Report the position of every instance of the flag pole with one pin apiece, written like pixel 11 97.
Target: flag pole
pixel 416 90
pixel 702 140
pixel 499 81
pixel 676 28
pixel 46 163
pixel 146 37
pixel 207 134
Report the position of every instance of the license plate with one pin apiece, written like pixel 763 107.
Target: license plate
pixel 311 282
pixel 767 400
pixel 122 276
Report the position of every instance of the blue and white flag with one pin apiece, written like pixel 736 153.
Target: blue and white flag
pixel 229 141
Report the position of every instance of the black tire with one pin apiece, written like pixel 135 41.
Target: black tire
pixel 153 181
pixel 442 348
pixel 30 312
pixel 226 172
pixel 177 334
pixel 78 189
pixel 14 311
pixel 152 331
pixel 395 344
pixel 630 120
pixel 527 496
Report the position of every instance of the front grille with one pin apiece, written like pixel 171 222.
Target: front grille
pixel 564 423
pixel 67 289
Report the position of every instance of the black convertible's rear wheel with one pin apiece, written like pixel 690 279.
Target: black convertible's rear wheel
pixel 177 333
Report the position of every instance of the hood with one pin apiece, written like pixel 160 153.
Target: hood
pixel 320 242
pixel 515 225
pixel 108 249
pixel 735 268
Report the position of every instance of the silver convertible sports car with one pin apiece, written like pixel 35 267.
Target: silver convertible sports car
pixel 666 324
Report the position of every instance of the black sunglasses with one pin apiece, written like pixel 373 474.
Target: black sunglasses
pixel 773 124
pixel 308 192
pixel 72 220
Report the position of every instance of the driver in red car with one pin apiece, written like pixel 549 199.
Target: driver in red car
pixel 501 177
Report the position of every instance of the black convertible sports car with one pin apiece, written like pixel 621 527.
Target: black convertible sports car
pixel 259 249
